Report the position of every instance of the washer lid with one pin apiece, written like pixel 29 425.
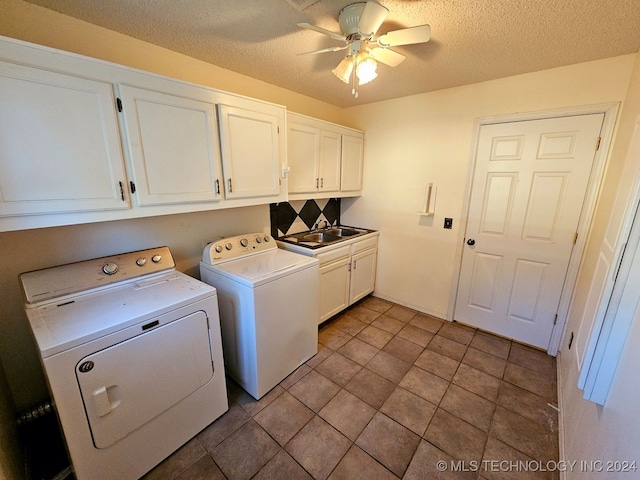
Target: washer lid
pixel 264 267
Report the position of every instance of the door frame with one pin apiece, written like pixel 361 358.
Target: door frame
pixel 610 111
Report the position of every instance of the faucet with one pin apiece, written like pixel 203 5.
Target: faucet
pixel 326 225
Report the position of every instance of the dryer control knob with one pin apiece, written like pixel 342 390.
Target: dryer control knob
pixel 141 261
pixel 218 248
pixel 266 238
pixel 110 268
pixel 228 246
pixel 244 242
pixel 156 258
pixel 258 240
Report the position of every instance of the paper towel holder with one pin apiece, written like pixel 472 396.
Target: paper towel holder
pixel 429 204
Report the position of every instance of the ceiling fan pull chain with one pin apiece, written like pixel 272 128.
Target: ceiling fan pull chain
pixel 354 89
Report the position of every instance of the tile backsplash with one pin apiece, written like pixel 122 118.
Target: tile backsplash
pixel 301 215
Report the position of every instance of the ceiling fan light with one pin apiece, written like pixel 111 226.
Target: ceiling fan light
pixel 366 70
pixel 344 69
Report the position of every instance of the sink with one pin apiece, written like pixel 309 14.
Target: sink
pixel 343 232
pixel 321 237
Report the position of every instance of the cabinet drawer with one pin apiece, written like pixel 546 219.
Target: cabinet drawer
pixel 364 244
pixel 333 255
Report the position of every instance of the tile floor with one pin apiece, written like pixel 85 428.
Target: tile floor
pixel 390 393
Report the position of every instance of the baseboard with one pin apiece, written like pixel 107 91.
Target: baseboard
pixel 440 315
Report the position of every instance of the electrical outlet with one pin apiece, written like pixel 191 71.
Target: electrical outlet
pixel 448 223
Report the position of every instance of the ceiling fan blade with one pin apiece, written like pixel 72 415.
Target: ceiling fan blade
pixel 372 17
pixel 335 36
pixel 406 36
pixel 386 56
pixel 323 50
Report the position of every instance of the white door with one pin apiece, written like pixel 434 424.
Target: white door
pixel 303 146
pixel 334 288
pixel 352 156
pixel 173 145
pixel 363 274
pixel 59 144
pixel 527 195
pixel 250 152
pixel 330 154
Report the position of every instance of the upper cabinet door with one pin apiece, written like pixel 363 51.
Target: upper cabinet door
pixel 250 152
pixel 172 143
pixel 303 145
pixel 59 144
pixel 352 155
pixel 330 154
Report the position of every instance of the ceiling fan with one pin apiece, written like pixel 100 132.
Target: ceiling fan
pixel 359 22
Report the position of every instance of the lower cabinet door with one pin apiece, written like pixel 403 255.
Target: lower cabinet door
pixel 363 274
pixel 334 288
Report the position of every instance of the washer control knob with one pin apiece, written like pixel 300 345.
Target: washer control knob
pixel 258 240
pixel 141 261
pixel 156 258
pixel 218 248
pixel 244 242
pixel 266 238
pixel 228 246
pixel 110 268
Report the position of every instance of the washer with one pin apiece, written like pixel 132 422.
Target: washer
pixel 132 352
pixel 268 301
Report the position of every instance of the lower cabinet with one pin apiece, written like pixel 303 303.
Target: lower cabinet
pixel 335 273
pixel 363 273
pixel 347 274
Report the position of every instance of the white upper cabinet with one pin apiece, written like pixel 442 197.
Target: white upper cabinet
pixel 82 140
pixel 352 156
pixel 320 154
pixel 250 146
pixel 172 144
pixel 329 171
pixel 303 155
pixel 59 144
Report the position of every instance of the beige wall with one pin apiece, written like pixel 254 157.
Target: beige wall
pixel 426 138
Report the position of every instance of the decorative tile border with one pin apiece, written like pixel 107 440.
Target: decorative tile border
pixel 302 215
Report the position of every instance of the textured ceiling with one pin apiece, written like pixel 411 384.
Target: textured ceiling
pixel 471 40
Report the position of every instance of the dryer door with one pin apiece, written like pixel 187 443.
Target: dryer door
pixel 128 384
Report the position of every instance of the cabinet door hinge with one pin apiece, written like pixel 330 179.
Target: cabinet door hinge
pixel 598 143
pixel 133 187
pixel 555 320
pixel 119 104
pixel 575 238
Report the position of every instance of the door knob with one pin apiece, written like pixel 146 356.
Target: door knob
pixel 471 242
